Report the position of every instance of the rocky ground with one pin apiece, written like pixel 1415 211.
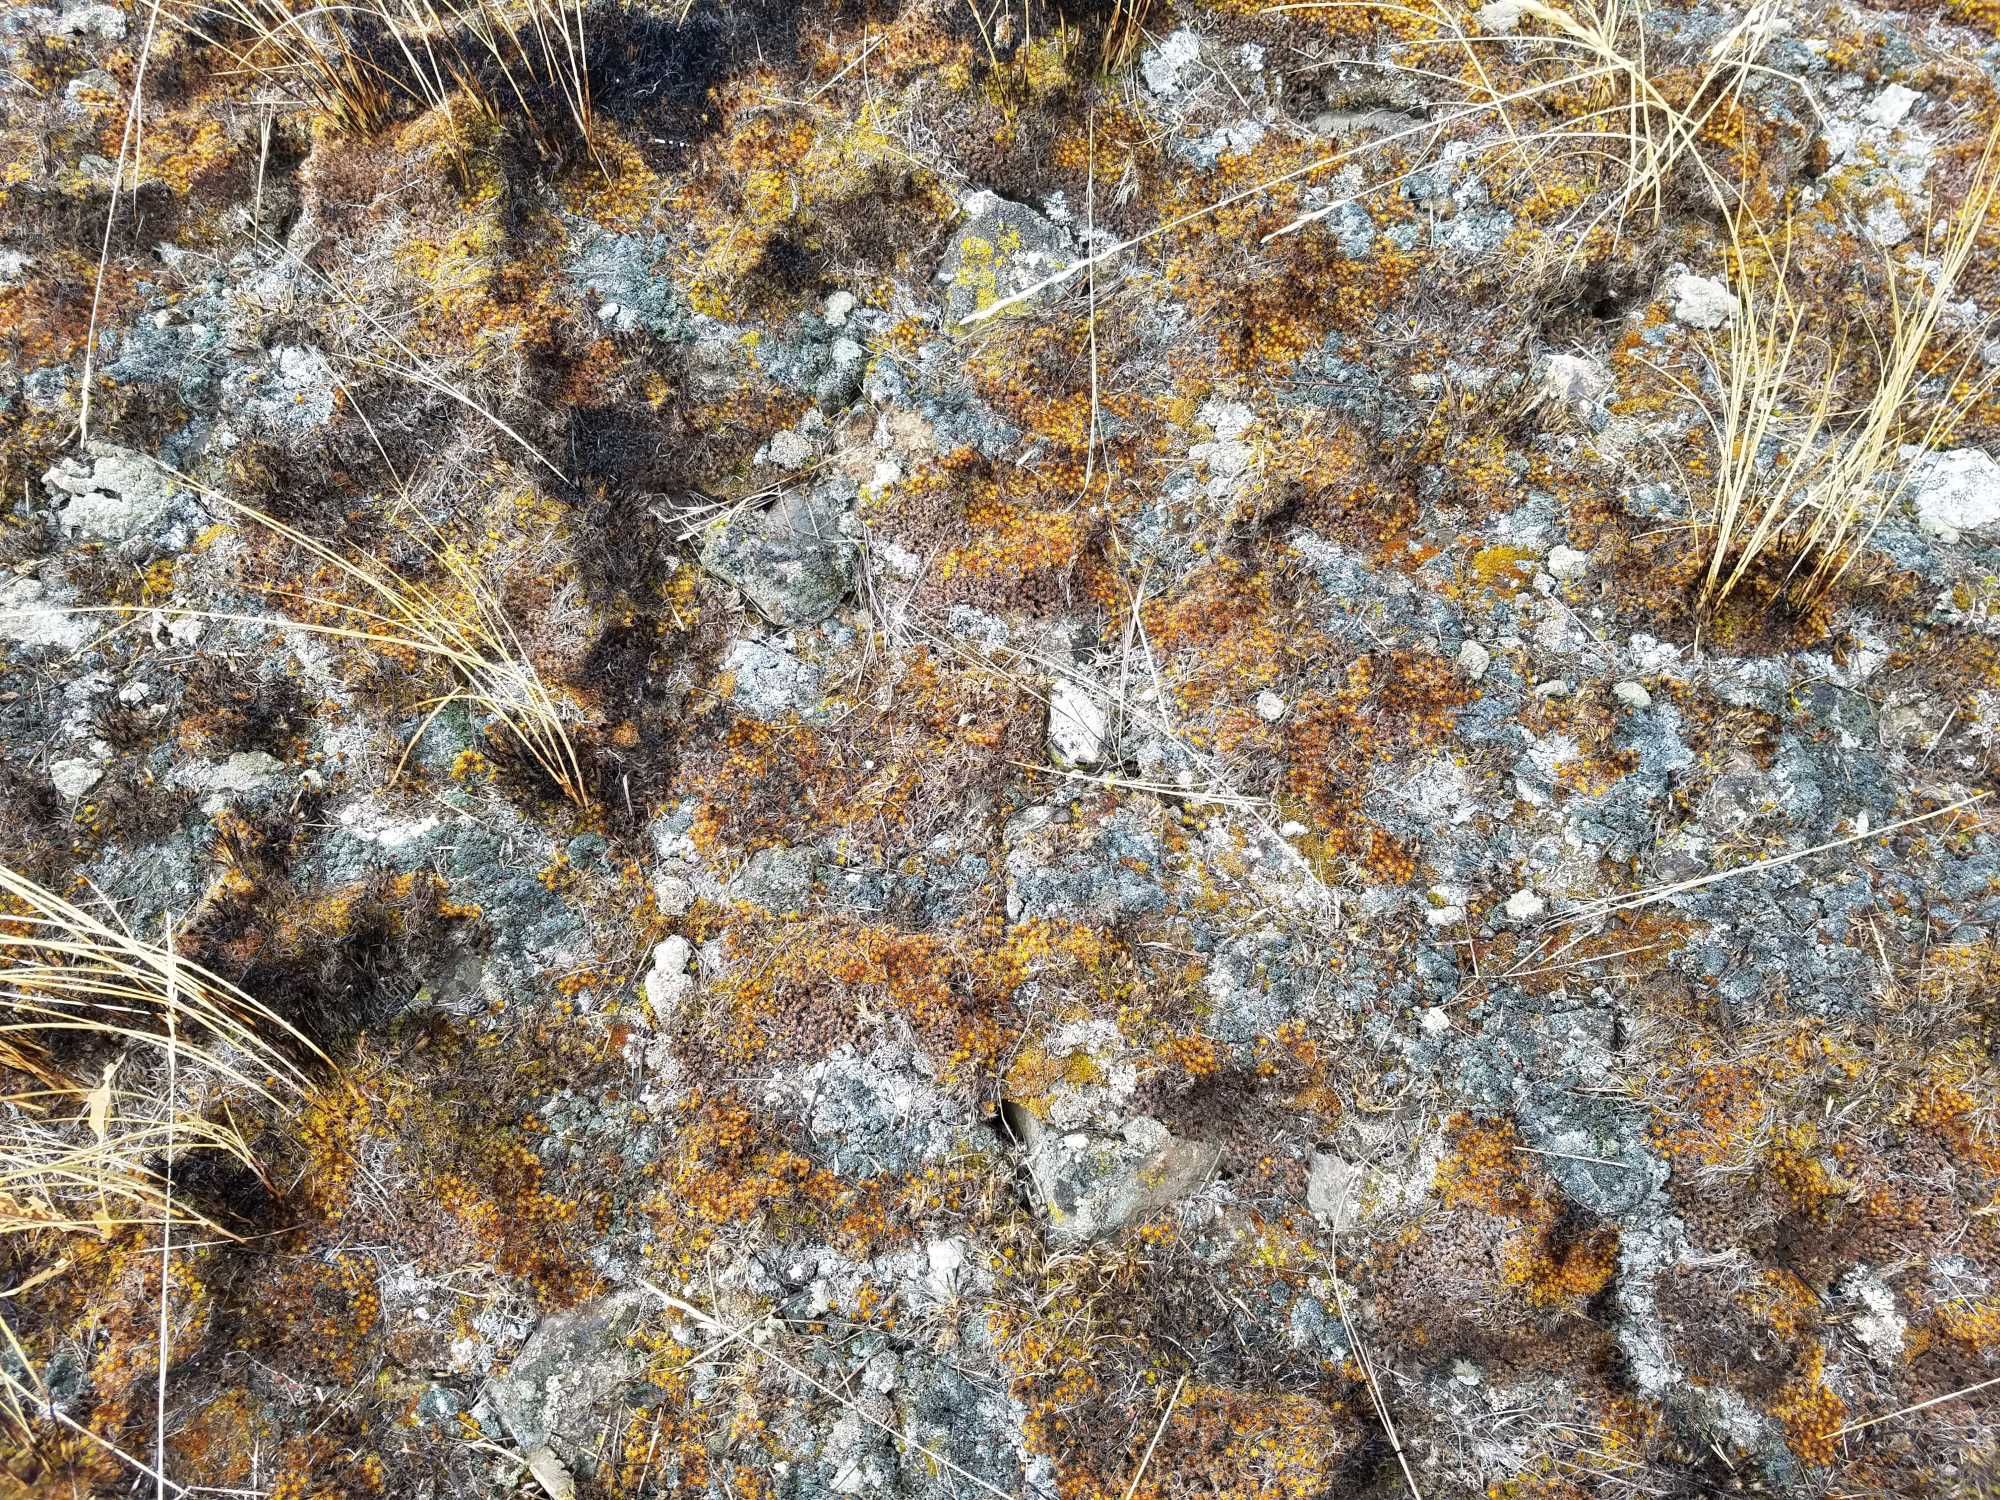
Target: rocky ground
pixel 1171 886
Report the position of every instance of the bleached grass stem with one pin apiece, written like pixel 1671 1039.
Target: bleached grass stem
pixel 716 1325
pixel 1653 895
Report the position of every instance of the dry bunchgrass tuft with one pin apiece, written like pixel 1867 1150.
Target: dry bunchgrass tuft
pixel 1596 51
pixel 82 993
pixel 355 63
pixel 1800 476
pixel 1124 33
pixel 1593 50
pixel 463 625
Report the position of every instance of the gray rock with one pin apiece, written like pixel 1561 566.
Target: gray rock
pixel 105 22
pixel 1003 248
pixel 668 981
pixel 790 561
pixel 242 772
pixel 115 494
pixel 572 1372
pixel 1567 564
pixel 1333 1190
pixel 1078 723
pixel 74 777
pixel 768 683
pixel 1060 872
pixel 28 618
pixel 1094 1185
pixel 1957 493
pixel 1701 301
pixel 1633 695
pixel 1169 67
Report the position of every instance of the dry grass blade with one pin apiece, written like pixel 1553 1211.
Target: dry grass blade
pixel 65 970
pixel 1147 1457
pixel 1607 905
pixel 1827 490
pixel 128 143
pixel 466 629
pixel 1656 137
pixel 1969 1390
pixel 1846 517
pixel 1361 1350
pixel 77 1160
pixel 353 62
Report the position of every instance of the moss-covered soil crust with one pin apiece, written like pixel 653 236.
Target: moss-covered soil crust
pixel 1170 874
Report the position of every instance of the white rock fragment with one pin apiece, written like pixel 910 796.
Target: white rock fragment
pixel 1567 564
pixel 668 981
pixel 1957 492
pixel 1502 16
pixel 27 618
pixel 1631 694
pixel 1701 301
pixel 72 778
pixel 242 772
pixel 1879 1326
pixel 1525 905
pixel 1572 377
pixel 1333 1189
pixel 115 494
pixel 1169 67
pixel 788 450
pixel 1270 707
pixel 1078 723
pixel 1474 659
pixel 1892 106
pixel 1885 225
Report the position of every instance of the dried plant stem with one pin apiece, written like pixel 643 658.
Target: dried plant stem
pixel 715 1324
pixel 1605 906
pixel 1969 1390
pixel 1145 1459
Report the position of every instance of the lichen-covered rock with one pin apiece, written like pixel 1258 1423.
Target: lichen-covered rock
pixel 570 1375
pixel 792 561
pixel 1957 494
pixel 1091 1185
pixel 117 495
pixel 1001 248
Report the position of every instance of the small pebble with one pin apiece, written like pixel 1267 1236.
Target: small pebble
pixel 1566 563
pixel 1632 695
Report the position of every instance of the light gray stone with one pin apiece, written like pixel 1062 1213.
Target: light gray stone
pixel 1957 493
pixel 1078 723
pixel 792 561
pixel 1701 301
pixel 115 494
pixel 74 777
